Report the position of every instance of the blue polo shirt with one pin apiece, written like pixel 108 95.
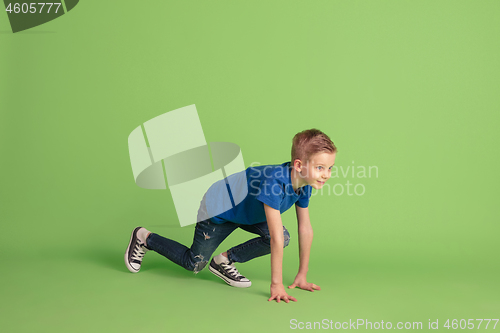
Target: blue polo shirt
pixel 269 184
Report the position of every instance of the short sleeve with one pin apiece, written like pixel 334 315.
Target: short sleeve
pixel 305 194
pixel 271 193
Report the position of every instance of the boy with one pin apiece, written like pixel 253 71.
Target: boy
pixel 272 189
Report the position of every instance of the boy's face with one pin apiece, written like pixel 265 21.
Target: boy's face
pixel 317 170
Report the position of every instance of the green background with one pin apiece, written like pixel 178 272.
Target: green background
pixel 408 86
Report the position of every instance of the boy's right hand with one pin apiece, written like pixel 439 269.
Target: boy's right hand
pixel 278 292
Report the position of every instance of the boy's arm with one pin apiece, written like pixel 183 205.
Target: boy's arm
pixel 275 226
pixel 305 241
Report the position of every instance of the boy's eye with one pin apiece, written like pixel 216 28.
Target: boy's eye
pixel 319 168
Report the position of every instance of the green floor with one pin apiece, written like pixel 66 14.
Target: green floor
pixel 80 284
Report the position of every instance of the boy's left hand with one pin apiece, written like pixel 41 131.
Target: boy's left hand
pixel 301 282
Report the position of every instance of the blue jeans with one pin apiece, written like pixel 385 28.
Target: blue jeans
pixel 207 237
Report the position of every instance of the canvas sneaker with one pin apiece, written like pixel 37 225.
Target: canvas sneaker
pixel 229 274
pixel 135 252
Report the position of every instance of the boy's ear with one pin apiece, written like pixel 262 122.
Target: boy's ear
pixel 297 164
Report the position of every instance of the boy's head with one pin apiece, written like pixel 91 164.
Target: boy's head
pixel 310 142
pixel 313 156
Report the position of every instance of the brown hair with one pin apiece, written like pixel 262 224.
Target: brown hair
pixel 309 142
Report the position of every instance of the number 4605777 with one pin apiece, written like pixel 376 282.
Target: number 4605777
pixel 463 324
pixel 26 8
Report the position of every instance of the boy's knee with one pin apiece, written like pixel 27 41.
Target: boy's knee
pixel 198 264
pixel 286 237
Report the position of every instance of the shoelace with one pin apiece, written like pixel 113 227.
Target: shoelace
pixel 139 251
pixel 231 270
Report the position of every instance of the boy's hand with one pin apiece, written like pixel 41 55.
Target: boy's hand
pixel 300 281
pixel 278 292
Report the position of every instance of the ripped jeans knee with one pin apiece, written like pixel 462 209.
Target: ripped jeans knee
pixel 199 263
pixel 286 237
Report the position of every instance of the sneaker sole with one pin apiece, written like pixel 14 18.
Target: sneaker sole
pixel 130 268
pixel 229 281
